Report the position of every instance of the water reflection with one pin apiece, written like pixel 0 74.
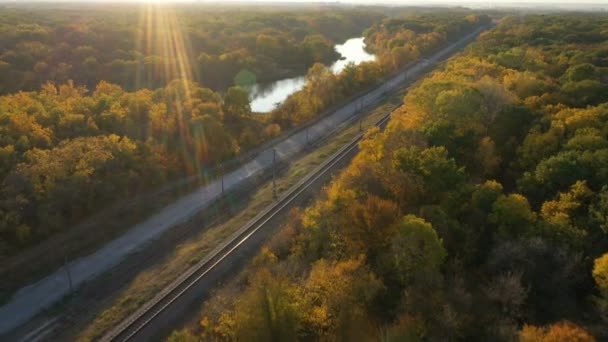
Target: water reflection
pixel 265 97
pixel 353 50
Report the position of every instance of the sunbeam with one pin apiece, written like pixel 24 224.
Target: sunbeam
pixel 169 53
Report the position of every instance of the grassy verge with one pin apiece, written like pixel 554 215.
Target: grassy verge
pixel 148 283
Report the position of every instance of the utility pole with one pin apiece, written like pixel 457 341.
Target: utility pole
pixel 274 184
pixel 222 172
pixel 67 270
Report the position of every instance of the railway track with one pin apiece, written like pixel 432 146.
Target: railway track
pixel 129 329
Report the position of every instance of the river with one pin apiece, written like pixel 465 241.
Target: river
pixel 265 98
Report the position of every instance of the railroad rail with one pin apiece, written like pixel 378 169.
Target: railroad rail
pixel 129 328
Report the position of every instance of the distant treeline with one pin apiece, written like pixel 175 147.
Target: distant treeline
pixel 148 45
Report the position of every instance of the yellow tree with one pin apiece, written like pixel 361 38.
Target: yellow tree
pixel 600 275
pixel 560 332
pixel 336 296
pixel 267 311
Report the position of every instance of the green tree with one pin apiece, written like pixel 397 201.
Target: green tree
pixel 581 72
pixel 317 48
pixel 599 210
pixel 512 216
pixel 182 336
pixel 236 104
pixel 418 251
pixel 485 195
pixel 431 169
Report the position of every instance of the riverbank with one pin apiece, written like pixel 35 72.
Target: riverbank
pixel 266 96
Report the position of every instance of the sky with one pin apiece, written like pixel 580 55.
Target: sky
pixel 419 2
pixel 581 4
pixel 401 2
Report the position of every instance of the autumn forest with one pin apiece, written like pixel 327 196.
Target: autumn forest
pixel 480 213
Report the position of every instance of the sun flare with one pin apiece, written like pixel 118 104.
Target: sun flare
pixel 160 35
